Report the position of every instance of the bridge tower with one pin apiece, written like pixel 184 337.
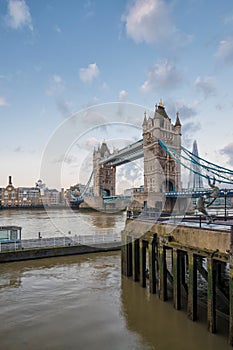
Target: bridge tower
pixel 104 175
pixel 161 172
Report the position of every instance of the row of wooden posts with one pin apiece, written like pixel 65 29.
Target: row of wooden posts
pixel 145 260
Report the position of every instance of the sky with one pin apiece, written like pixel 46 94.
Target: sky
pixel 58 59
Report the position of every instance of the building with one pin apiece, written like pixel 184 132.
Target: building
pixel 195 178
pixel 12 197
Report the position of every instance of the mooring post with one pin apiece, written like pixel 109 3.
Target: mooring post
pixel 192 287
pixel 211 295
pixel 129 256
pixel 152 270
pixel 123 255
pixel 176 279
pixel 142 246
pixel 162 267
pixel 230 339
pixel 136 259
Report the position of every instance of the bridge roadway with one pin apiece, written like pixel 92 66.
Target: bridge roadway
pixel 125 155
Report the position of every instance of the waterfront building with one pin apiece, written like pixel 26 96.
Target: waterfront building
pixel 50 197
pixel 20 197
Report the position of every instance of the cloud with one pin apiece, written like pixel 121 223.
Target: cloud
pixel 89 8
pixel 205 85
pixel 123 95
pixel 188 131
pixel 87 75
pixel 162 75
pixel 151 21
pixel 57 29
pixel 3 101
pixel 63 106
pixel 228 151
pixel 18 15
pixel 225 51
pixel 56 85
pixel 185 111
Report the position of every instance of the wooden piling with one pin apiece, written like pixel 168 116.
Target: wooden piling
pixel 211 295
pixel 192 287
pixel 162 272
pixel 129 256
pixel 136 259
pixel 152 269
pixel 176 279
pixel 230 338
pixel 143 245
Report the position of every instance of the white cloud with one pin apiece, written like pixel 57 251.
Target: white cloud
pixel 205 85
pixel 3 101
pixel 225 50
pixel 162 75
pixel 123 95
pixel 88 74
pixel 56 85
pixel 228 151
pixel 18 15
pixel 186 111
pixel 151 21
pixel 57 29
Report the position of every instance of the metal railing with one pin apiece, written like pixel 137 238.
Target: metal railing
pixel 64 241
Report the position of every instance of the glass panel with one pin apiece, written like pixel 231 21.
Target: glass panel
pixel 4 234
pixel 14 235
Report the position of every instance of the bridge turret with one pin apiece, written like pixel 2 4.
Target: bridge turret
pixel 104 175
pixel 161 172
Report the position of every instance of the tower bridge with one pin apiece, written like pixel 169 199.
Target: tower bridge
pixel 161 149
pixel 161 172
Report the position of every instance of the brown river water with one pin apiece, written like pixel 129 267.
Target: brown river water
pixel 83 302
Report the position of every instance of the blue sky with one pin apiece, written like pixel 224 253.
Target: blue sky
pixel 60 57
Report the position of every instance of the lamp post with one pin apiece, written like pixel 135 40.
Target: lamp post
pixel 225 204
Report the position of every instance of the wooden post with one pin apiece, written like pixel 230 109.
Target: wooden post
pixel 211 295
pixel 142 246
pixel 176 279
pixel 123 255
pixel 136 259
pixel 162 272
pixel 152 271
pixel 129 256
pixel 192 287
pixel 230 339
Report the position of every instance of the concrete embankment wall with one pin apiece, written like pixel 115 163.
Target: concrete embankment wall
pixel 48 252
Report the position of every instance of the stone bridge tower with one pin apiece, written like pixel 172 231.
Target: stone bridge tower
pixel 104 175
pixel 161 172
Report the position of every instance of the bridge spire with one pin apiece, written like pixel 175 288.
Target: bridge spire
pixel 177 123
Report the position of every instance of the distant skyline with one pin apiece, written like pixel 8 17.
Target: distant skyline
pixel 60 57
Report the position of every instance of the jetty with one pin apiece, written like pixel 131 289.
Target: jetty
pixel 185 263
pixel 27 249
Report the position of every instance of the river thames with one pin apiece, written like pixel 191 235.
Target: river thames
pixel 83 302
